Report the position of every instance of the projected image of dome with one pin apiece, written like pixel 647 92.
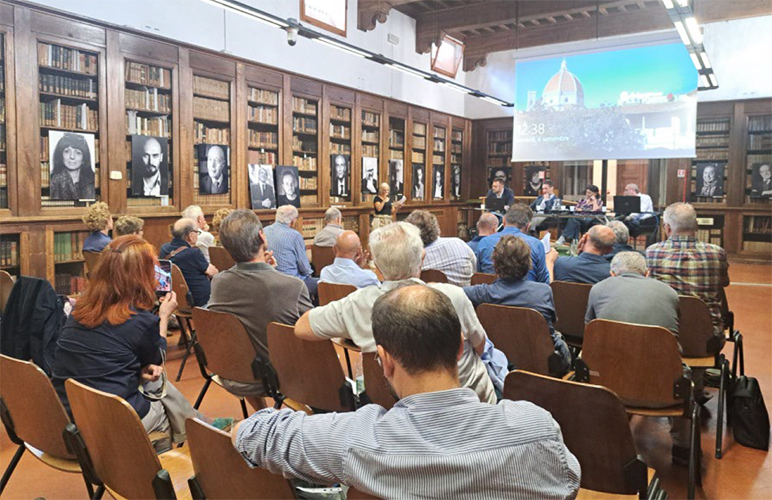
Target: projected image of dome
pixel 563 89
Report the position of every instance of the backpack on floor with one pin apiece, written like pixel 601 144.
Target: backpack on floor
pixel 747 413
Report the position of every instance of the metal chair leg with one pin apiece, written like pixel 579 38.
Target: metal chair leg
pixel 722 387
pixel 99 493
pixel 89 487
pixel 11 466
pixel 244 407
pixel 201 394
pixel 693 452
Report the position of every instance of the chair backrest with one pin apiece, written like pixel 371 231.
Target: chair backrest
pixel 221 471
pixel 483 278
pixel 376 387
pixel 180 287
pixel 695 328
pixel 228 350
pixel 330 292
pixel 92 259
pixel 117 443
pixel 433 276
pixel 355 494
pixel 639 363
pixel 321 257
pixel 570 307
pixel 35 409
pixel 308 372
pixel 6 285
pixel 520 333
pixel 594 425
pixel 220 258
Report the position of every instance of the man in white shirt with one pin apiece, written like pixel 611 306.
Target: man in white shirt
pixel 333 228
pixel 205 238
pixel 633 221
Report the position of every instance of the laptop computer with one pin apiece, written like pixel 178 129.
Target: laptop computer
pixel 494 204
pixel 627 204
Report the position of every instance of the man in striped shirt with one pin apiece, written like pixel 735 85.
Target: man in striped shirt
pixel 450 255
pixel 437 441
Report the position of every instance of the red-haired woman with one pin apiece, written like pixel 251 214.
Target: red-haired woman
pixel 113 343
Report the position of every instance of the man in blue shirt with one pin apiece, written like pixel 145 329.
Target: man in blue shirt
pixel 289 249
pixel 183 253
pixel 486 226
pixel 516 222
pixel 350 259
pixel 590 266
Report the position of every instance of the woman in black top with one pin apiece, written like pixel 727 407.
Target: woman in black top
pixel 384 207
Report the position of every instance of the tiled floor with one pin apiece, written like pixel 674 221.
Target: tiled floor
pixel 742 473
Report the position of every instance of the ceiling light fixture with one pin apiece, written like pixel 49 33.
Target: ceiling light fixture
pixel 249 12
pixel 340 46
pixel 691 35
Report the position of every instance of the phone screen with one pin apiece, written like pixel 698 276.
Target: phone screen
pixel 163 275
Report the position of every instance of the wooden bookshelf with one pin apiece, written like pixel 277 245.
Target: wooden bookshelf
pixel 757 234
pixel 340 144
pixel 263 126
pixel 3 146
pixel 438 161
pixel 68 95
pixel 397 152
pixel 370 148
pixel 10 253
pixel 712 145
pixel 456 162
pixel 305 147
pixel 212 125
pixel 149 112
pixel 758 151
pixel 69 266
pixel 418 160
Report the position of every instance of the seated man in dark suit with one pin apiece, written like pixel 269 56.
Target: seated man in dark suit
pixel 590 266
pixel 216 180
pixel 183 253
pixel 623 237
pixel 498 190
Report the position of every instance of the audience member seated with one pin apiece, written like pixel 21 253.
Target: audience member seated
pixel 487 224
pixel 333 221
pixel 128 224
pixel 398 252
pixel 622 238
pixel 217 219
pixel 254 291
pixel 544 203
pixel 182 251
pixel 99 221
pixel 498 190
pixel 517 220
pixel 633 221
pixel 512 260
pixel 438 441
pixel 205 238
pixel 450 255
pixel 114 343
pixel 289 249
pixel 349 265
pixel 591 203
pixel 590 266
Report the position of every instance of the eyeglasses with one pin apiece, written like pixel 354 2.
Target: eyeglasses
pixel 378 359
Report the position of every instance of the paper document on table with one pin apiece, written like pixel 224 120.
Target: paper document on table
pixel 546 242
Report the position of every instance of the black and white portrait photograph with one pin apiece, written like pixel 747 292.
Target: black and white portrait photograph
pixel 370 175
pixel 534 176
pixel 149 166
pixel 503 173
pixel 261 190
pixel 710 180
pixel 287 186
pixel 761 180
pixel 455 182
pixel 340 175
pixel 438 182
pixel 71 158
pixel 419 182
pixel 396 177
pixel 213 161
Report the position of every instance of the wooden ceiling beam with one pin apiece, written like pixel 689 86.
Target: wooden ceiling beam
pixel 370 12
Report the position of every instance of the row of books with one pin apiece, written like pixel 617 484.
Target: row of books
pixel 263 139
pixel 311 227
pixel 262 158
pixel 439 145
pixel 65 85
pixel 370 135
pixel 9 253
pixel 340 131
pixel 338 113
pixel 501 161
pixel 3 175
pixel 495 148
pixel 500 136
pixel 712 154
pixel 712 140
pixel 206 135
pixel 455 158
pixel 210 87
pixel 2 110
pixel 263 114
pixel 45 175
pixel 760 123
pixel 307 164
pixel 758 225
pixel 77 116
pixel 159 126
pixel 2 78
pixel 439 133
pixel 757 246
pixel 713 126
pixel 147 202
pixel 396 154
pixel 306 200
pixel 55 56
pixel 46 201
pixel 301 105
pixel 340 149
pixel 148 100
pixel 714 236
pixel 396 138
pixel 419 129
pixel 369 150
pixel 210 109
pixel 302 146
pixel 371 119
pixel 455 148
pixel 308 183
pixel 418 157
pixel 304 124
pixel 438 160
pixel 3 197
pixel 144 74
pixel 760 141
pixel 263 96
pixel 67 246
pixel 419 142
pixel 457 136
pixel 69 284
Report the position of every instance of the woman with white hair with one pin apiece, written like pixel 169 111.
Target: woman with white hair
pixel 384 208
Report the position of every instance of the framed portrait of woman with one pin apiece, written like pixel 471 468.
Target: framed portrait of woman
pixel 71 163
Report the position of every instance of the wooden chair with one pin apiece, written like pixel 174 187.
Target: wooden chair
pixel 355 494
pixel 595 428
pixel 308 372
pixel 223 349
pixel 222 473
pixel 330 292
pixel 34 418
pixel 433 276
pixel 570 307
pixel 376 388
pixel 321 257
pixel 92 259
pixel 642 365
pixel 522 335
pixel 483 278
pixel 119 449
pixel 6 285
pixel 220 258
pixel 184 314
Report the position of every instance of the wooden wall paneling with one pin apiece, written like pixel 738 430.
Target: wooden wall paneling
pixel 158 230
pixel 733 232
pixel 185 111
pixel 37 251
pixel 6 15
pixel 239 170
pixel 116 129
pixel 216 67
pixel 147 49
pixel 11 154
pixel 27 143
pixel 67 29
pixel 263 77
pixel 301 85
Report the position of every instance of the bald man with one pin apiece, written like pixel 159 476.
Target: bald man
pixel 590 266
pixel 350 260
pixel 150 174
pixel 487 224
pixel 195 268
pixel 216 180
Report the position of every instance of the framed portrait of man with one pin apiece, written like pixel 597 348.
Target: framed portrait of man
pixel 71 165
pixel 340 176
pixel 455 182
pixel 710 180
pixel 261 190
pixel 503 173
pixel 534 176
pixel 396 178
pixel 761 180
pixel 287 186
pixel 438 182
pixel 213 171
pixel 419 182
pixel 369 175
pixel 149 166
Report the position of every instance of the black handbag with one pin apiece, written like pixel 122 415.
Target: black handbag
pixel 747 413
